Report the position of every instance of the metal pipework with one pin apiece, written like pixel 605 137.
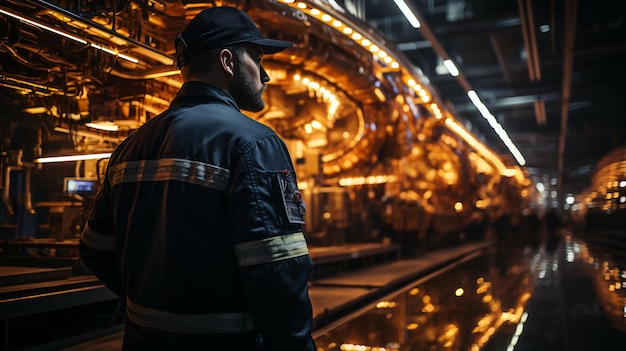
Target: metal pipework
pixel 6 199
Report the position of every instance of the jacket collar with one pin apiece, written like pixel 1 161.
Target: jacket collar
pixel 196 92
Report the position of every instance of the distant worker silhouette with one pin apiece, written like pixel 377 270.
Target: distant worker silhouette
pixel 198 222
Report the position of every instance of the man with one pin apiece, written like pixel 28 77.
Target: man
pixel 198 223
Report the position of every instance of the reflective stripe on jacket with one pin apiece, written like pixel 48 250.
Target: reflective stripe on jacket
pixel 213 323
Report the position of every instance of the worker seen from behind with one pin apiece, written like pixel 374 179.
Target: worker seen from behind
pixel 198 222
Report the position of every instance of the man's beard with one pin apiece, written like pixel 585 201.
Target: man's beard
pixel 244 94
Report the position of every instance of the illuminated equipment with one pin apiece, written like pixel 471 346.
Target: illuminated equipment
pixel 65 218
pixel 604 203
pixel 80 186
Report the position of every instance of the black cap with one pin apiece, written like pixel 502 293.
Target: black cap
pixel 217 27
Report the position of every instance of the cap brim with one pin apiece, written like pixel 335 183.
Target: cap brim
pixel 272 46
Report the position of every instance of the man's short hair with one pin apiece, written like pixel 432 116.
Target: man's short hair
pixel 199 63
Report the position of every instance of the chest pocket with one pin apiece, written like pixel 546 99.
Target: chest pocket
pixel 289 196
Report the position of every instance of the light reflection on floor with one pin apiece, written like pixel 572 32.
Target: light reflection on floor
pixel 558 296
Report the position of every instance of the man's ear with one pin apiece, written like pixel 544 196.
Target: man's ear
pixel 227 61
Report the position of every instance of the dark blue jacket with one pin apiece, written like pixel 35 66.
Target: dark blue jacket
pixel 198 227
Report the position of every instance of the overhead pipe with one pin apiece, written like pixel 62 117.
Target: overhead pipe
pixel 147 74
pixel 570 14
pixel 553 26
pixel 89 134
pixel 498 52
pixel 540 112
pixel 533 39
pixel 138 46
pixel 28 203
pixel 6 193
pixel 529 45
pixel 6 199
pixel 529 62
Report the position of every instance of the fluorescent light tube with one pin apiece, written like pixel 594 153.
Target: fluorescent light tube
pixel 408 13
pixel 72 158
pixel 451 67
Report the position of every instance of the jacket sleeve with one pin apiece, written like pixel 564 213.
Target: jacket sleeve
pixel 265 219
pixel 97 243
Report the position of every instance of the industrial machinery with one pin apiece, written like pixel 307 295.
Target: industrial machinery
pixel 367 131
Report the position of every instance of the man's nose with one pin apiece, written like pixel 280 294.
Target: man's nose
pixel 264 77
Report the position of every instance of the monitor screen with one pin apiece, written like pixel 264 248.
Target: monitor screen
pixel 80 186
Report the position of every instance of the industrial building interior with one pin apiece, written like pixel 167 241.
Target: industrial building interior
pixel 466 111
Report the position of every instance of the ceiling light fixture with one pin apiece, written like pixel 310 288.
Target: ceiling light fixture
pixel 451 67
pixel 408 13
pixel 69 36
pixel 496 127
pixel 72 158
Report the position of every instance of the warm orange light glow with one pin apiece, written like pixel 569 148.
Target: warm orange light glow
pixel 458 206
